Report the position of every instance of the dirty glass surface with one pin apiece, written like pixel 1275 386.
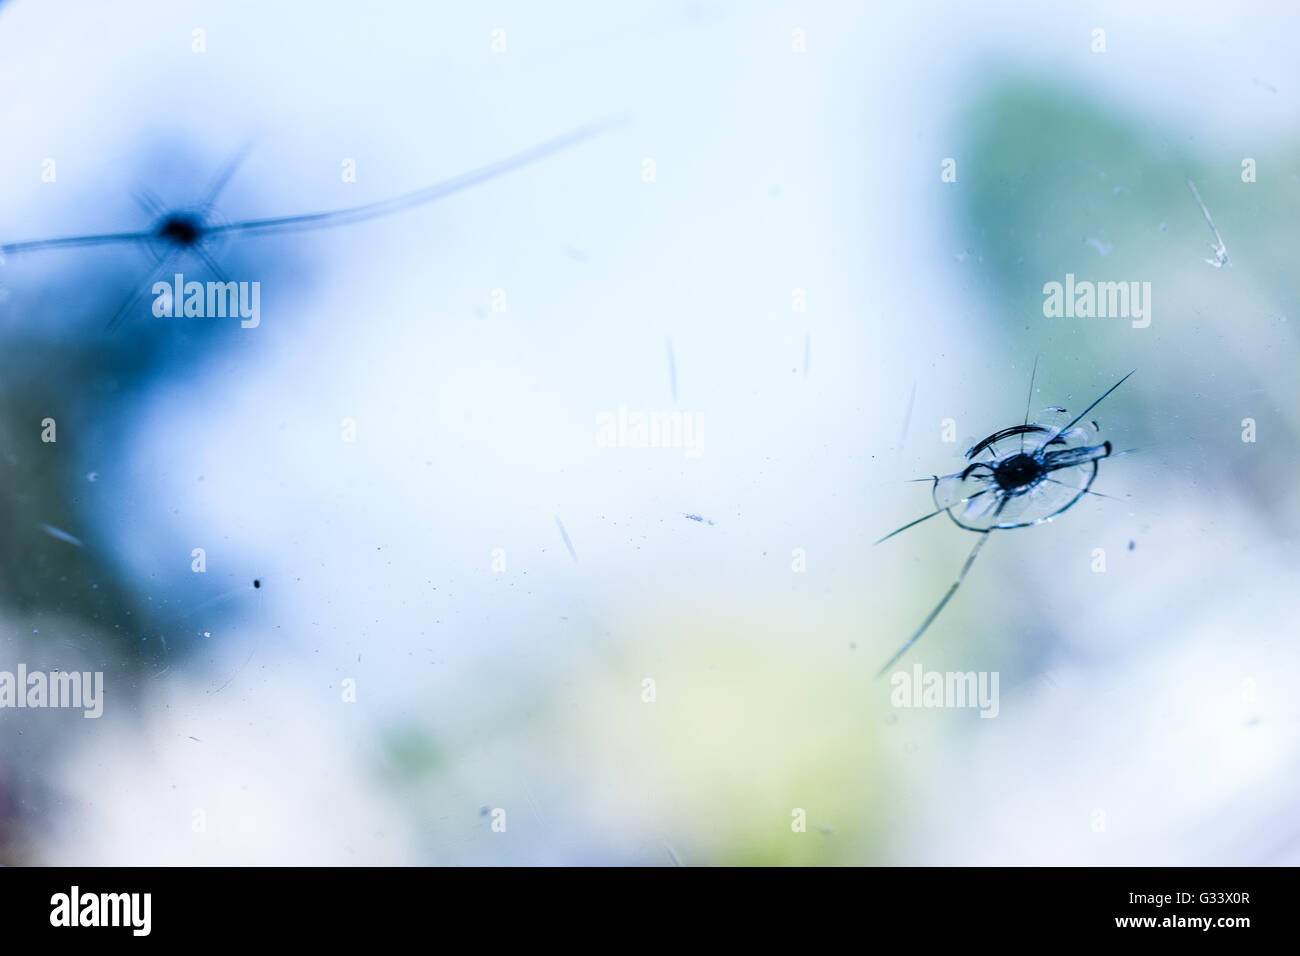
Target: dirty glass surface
pixel 520 505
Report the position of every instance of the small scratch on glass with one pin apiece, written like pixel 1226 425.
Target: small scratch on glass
pixel 672 366
pixel 1220 250
pixel 807 352
pixel 565 535
pixel 672 854
pixel 532 802
pixel 61 535
pixel 700 519
pixel 236 673
pixel 907 420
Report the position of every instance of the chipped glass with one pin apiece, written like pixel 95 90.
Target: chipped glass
pixel 1019 476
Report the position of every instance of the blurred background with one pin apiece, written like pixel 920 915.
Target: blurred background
pixel 480 636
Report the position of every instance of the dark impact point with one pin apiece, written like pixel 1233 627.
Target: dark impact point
pixel 1018 473
pixel 181 229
